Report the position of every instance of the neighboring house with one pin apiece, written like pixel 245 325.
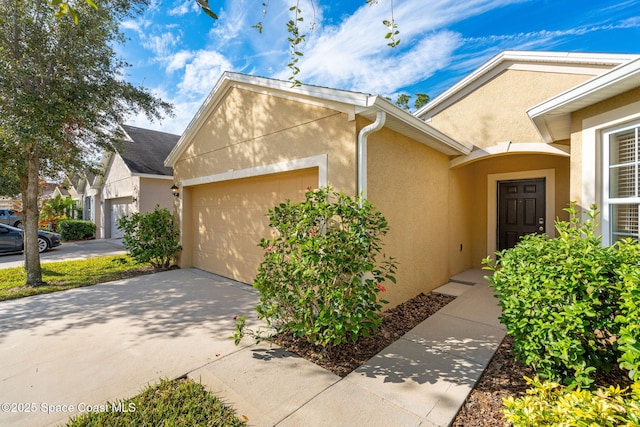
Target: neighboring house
pixel 135 178
pixel 498 155
pixel 76 188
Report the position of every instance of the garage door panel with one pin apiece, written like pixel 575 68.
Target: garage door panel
pixel 119 208
pixel 229 219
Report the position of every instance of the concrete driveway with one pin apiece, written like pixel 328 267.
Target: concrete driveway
pixel 63 352
pixel 69 251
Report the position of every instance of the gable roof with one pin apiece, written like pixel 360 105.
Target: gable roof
pixel 145 150
pixel 592 64
pixel 553 117
pixel 348 102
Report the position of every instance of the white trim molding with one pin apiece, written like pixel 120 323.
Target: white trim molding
pixel 492 201
pixel 319 161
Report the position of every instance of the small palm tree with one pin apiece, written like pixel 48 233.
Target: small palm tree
pixel 55 210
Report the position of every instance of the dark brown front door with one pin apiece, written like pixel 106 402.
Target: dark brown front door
pixel 521 210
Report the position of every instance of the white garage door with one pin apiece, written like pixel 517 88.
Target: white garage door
pixel 229 219
pixel 119 208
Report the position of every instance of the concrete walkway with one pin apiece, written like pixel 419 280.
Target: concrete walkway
pixel 67 351
pixel 420 380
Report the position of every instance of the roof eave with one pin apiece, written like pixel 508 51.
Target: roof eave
pixel 493 66
pixel 424 133
pixel 612 83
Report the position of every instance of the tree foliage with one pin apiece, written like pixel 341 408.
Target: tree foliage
pixel 403 99
pixel 61 95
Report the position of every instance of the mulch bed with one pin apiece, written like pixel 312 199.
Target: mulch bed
pixel 502 378
pixel 345 358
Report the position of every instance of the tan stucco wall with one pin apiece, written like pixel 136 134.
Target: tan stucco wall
pixel 250 129
pixel 475 192
pixel 461 213
pixel 408 183
pixel 496 111
pixel 118 181
pixel 598 116
pixel 155 191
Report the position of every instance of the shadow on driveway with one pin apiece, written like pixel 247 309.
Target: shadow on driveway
pixel 106 342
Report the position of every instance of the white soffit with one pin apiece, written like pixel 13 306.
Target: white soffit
pixel 553 117
pixel 592 64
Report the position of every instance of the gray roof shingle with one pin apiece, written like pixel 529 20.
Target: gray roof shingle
pixel 148 150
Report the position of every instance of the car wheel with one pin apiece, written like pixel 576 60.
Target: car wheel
pixel 18 224
pixel 43 244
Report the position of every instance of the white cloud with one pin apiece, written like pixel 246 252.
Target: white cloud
pixel 354 54
pixel 137 25
pixel 161 44
pixel 203 72
pixel 185 6
pixel 178 60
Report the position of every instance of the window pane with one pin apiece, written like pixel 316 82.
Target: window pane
pixel 622 148
pixel 624 221
pixel 622 181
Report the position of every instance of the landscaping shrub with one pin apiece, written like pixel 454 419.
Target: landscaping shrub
pixel 320 278
pixel 74 229
pixel 628 317
pixel 570 304
pixel 550 404
pixel 151 237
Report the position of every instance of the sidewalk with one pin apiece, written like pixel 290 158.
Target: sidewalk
pixel 420 380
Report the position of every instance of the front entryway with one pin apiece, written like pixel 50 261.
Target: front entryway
pixel 521 210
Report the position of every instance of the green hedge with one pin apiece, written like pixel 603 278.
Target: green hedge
pixel 571 304
pixel 74 229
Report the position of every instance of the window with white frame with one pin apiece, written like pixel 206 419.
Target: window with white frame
pixel 621 182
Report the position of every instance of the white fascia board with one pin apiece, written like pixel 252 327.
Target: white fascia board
pixel 589 88
pixel 505 59
pixel 381 104
pixel 599 88
pixel 154 176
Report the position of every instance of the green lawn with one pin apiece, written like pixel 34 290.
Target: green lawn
pixel 69 274
pixel 170 403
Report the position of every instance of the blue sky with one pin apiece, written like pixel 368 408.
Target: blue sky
pixel 179 53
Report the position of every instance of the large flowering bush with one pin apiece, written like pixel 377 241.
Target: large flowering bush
pixel 320 278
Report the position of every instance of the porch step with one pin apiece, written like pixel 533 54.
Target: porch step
pixel 454 289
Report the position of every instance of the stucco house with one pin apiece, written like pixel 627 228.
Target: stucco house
pixel 499 154
pixel 135 178
pixel 84 190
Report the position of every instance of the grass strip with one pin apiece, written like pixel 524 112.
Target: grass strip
pixel 64 275
pixel 177 403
